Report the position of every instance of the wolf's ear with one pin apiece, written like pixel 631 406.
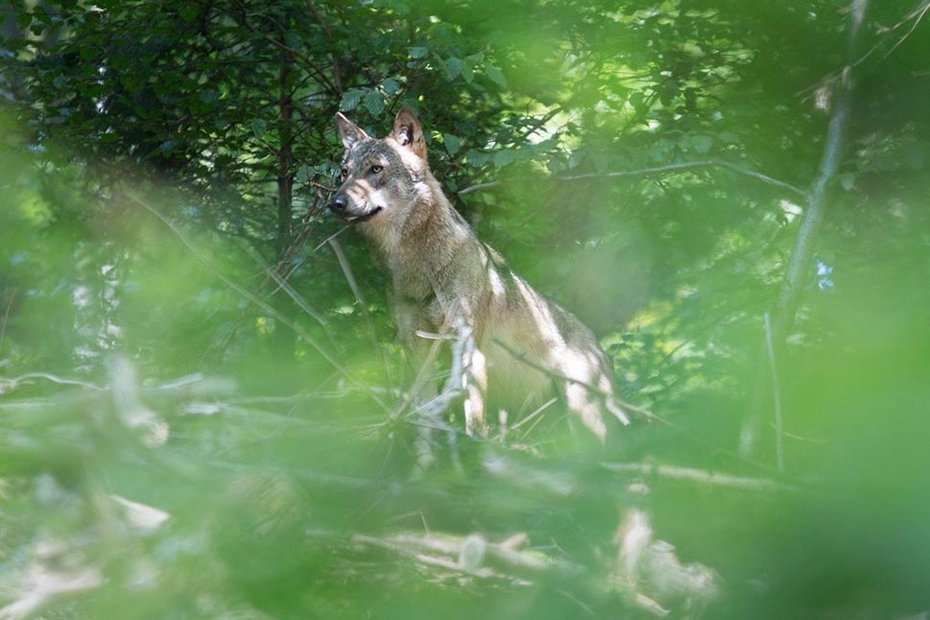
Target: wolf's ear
pixel 349 132
pixel 409 133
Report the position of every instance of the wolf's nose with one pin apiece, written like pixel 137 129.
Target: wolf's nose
pixel 337 203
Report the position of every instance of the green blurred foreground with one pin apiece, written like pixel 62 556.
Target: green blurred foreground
pixel 202 407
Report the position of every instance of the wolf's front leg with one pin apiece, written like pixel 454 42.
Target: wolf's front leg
pixel 469 373
pixel 476 386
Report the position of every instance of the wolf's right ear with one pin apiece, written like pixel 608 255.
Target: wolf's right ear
pixel 409 133
pixel 349 132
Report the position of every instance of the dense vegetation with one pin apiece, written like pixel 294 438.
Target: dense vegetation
pixel 201 402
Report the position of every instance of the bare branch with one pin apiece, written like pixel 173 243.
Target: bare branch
pixel 698 475
pixel 265 306
pixel 12 383
pixel 670 168
pixel 283 285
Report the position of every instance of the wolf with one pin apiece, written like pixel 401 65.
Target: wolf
pixel 446 281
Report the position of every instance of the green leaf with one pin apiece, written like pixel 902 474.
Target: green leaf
pixel 374 103
pixel 293 41
pixel 188 11
pixel 476 158
pixel 701 144
pixel 502 158
pixel 496 76
pixel 452 143
pixel 259 127
pixel 351 98
pixel 418 52
pixel 390 86
pixel 453 67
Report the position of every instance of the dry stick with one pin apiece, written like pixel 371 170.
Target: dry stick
pixel 698 475
pixel 13 382
pixel 496 561
pixel 260 303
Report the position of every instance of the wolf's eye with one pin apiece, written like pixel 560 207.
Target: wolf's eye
pixel 343 173
pixel 376 169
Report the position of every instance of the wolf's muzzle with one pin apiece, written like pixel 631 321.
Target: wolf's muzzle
pixel 338 203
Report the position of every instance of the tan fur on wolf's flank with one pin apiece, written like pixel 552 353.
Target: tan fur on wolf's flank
pixel 443 275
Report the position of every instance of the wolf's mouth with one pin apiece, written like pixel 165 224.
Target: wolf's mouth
pixel 358 219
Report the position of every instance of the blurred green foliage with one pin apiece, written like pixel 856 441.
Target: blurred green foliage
pixel 164 268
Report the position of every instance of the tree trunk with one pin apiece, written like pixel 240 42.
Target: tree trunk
pixel 802 254
pixel 285 154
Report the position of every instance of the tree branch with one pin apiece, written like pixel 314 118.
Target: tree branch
pixel 266 307
pixel 814 207
pixel 669 168
pixel 698 475
pixel 834 147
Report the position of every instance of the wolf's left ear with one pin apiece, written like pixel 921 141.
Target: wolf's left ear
pixel 349 132
pixel 409 133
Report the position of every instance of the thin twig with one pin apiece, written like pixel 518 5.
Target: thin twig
pixel 917 15
pixel 265 306
pixel 776 394
pixel 13 382
pixel 330 238
pixel 521 357
pixel 420 379
pixel 699 475
pixel 711 163
pixel 283 285
pixel 535 413
pixel 366 316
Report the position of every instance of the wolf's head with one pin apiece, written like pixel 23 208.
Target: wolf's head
pixel 381 179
